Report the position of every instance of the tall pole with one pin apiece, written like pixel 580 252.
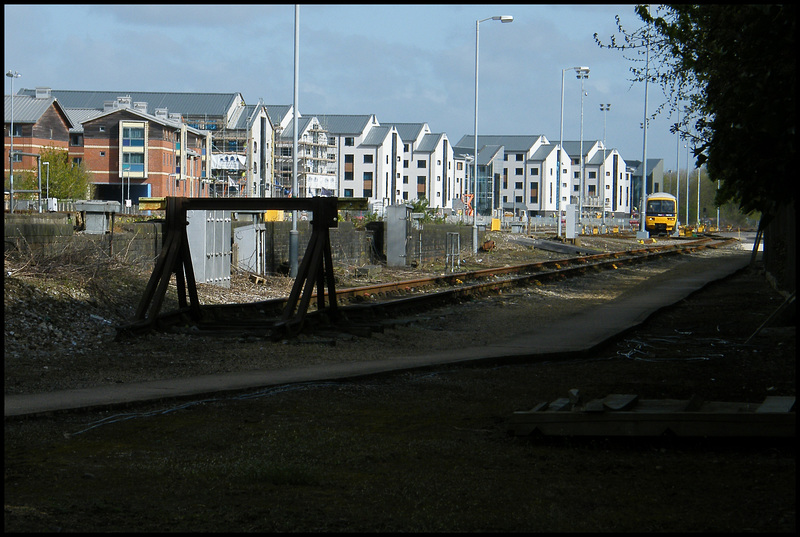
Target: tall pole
pixel 678 178
pixel 581 75
pixel 643 234
pixel 12 75
pixel 504 19
pixel 475 150
pixel 698 197
pixel 560 149
pixel 293 246
pixel 687 183
pixel 604 108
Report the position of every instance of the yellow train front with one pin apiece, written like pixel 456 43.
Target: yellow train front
pixel 660 213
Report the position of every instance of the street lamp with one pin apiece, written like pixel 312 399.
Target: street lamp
pixel 504 19
pixel 12 75
pixel 602 185
pixel 581 74
pixel 561 145
pixel 643 234
pixel 678 180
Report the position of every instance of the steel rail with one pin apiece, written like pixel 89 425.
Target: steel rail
pixel 389 299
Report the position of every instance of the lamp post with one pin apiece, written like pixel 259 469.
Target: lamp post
pixel 12 75
pixel 604 108
pixel 678 180
pixel 581 74
pixel 504 19
pixel 643 234
pixel 561 146
pixel 687 182
pixel 293 234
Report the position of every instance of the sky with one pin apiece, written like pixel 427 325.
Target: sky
pixel 403 63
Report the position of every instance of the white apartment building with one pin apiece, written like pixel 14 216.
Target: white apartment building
pixel 428 167
pixel 606 184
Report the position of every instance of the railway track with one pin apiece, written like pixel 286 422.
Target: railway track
pixel 360 310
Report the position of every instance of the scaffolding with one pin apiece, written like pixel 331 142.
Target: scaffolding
pixel 316 167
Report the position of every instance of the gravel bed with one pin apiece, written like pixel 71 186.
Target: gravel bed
pixel 60 324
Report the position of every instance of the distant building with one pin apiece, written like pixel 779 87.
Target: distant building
pixel 655 179
pixel 132 154
pixel 40 122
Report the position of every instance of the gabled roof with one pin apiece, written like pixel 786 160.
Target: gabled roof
pixel 429 143
pixel 573 148
pixel 488 153
pixel 278 113
pixel 302 125
pixel 161 120
pixel 248 115
pixel 29 109
pixel 79 115
pixel 409 132
pixel 216 104
pixel 512 143
pixel 340 124
pixel 636 165
pixel 543 151
pixel 376 136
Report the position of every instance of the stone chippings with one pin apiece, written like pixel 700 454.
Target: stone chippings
pixel 59 328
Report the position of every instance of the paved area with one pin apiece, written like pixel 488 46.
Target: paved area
pixel 586 331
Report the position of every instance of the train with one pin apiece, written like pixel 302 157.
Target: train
pixel 661 213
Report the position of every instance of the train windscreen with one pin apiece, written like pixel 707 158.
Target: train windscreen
pixel 660 207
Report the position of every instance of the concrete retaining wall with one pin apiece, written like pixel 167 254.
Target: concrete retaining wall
pixel 51 233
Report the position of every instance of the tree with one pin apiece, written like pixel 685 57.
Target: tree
pixel 67 180
pixel 734 67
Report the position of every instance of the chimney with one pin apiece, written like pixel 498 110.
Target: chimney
pixel 43 93
pixel 124 101
pixel 140 106
pixel 161 112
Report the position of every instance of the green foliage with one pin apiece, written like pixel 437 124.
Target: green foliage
pixel 67 180
pixel 733 67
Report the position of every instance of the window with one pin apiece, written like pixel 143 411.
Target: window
pixel 101 128
pixel 422 164
pixel 75 139
pixel 535 171
pixel 518 171
pixel 405 179
pixel 348 141
pixel 18 130
pixel 459 165
pixel 518 199
pixel 518 185
pixel 102 153
pixel 367 159
pixel 592 175
pixel 405 148
pixel 348 192
pixel 405 164
pixel 348 176
pixel 17 157
pixel 577 175
pixel 348 159
pixel 519 158
pixel 367 177
pixel 77 161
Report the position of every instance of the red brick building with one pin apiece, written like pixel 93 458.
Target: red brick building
pixel 39 123
pixel 145 155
